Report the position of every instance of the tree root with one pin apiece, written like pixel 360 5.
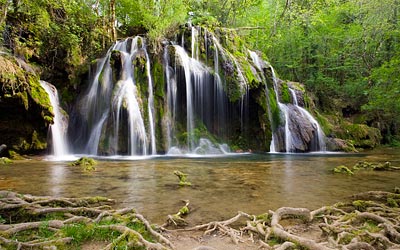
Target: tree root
pixel 177 219
pixel 341 226
pixel 32 214
pixel 362 224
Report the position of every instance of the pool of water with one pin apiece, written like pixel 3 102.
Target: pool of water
pixel 221 186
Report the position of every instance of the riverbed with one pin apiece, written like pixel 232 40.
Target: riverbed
pixel 221 185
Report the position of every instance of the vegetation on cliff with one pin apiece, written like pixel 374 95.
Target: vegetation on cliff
pixel 26 109
pixel 345 52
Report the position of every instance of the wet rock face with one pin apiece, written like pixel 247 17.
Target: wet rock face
pixel 302 132
pixel 25 109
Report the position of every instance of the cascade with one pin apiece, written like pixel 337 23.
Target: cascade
pixel 194 75
pixel 290 137
pixel 319 144
pixel 260 64
pixel 301 132
pixel 171 100
pixel 205 101
pixel 242 80
pixel 150 104
pixel 59 128
pixel 200 92
pixel 110 116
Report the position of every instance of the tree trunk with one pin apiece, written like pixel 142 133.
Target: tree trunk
pixel 113 31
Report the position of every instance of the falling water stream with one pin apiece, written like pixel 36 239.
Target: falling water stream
pixel 112 106
pixel 59 127
pixel 116 115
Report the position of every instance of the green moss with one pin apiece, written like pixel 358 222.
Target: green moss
pixel 86 163
pixel 326 126
pixel 38 94
pixel 182 178
pixel 158 79
pixel 23 96
pixel 184 210
pixel 362 135
pixel 81 233
pixel 383 167
pixel 392 202
pixel 361 205
pixel 285 95
pixel 14 155
pixel 5 161
pixel 264 217
pixel 342 170
pixel 275 111
pixel 363 165
pixel 38 142
pixel 346 239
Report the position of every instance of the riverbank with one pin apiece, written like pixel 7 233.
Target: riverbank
pixel 368 220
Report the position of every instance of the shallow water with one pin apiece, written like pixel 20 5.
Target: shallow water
pixel 221 185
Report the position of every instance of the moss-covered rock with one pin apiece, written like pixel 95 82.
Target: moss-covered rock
pixel 342 169
pixel 5 161
pixel 25 108
pixel 364 165
pixel 87 164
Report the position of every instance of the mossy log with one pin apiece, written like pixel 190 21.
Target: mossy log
pixel 182 178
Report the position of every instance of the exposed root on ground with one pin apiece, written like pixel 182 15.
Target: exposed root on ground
pixel 37 222
pixel 369 221
pixel 361 224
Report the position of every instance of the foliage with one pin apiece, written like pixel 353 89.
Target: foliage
pixel 60 36
pixel 223 12
pixel 346 52
pixel 341 50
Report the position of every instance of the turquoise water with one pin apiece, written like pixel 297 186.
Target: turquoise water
pixel 253 183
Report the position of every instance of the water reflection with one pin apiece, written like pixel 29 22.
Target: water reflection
pixel 57 178
pixel 221 186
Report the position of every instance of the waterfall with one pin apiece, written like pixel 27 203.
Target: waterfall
pixel 241 79
pixel 260 64
pixel 206 100
pixel 219 99
pixel 203 102
pixel 110 115
pixel 319 144
pixel 59 128
pixel 150 104
pixel 285 138
pixel 194 76
pixel 171 100
pixel 296 121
